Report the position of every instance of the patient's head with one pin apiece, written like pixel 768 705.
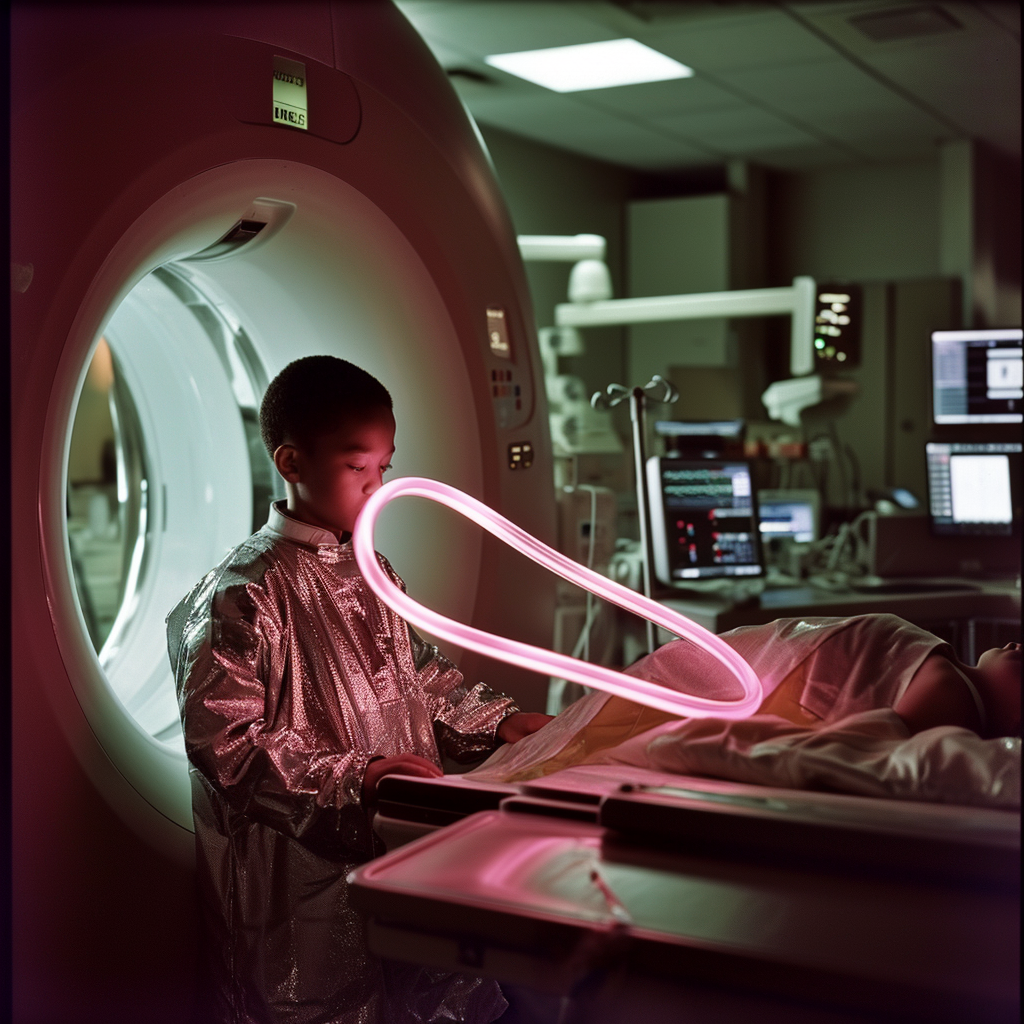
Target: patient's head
pixel 999 677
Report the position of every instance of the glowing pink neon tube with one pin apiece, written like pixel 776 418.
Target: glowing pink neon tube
pixel 537 659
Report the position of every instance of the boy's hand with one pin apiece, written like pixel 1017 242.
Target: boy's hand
pixel 400 764
pixel 521 724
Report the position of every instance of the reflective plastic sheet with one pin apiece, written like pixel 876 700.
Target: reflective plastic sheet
pixel 291 677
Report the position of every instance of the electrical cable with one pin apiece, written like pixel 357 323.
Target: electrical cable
pixel 590 565
pixel 835 451
pixel 855 473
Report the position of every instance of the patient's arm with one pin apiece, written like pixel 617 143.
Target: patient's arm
pixel 937 695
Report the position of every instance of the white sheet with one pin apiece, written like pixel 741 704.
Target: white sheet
pixel 870 754
pixel 855 670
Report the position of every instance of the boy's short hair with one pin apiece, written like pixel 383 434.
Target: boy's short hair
pixel 313 396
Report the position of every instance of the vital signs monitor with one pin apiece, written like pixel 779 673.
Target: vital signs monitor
pixel 704 519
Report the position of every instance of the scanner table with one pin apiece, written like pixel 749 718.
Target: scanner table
pixel 655 897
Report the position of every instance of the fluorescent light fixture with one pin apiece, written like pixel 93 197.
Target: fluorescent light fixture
pixel 591 65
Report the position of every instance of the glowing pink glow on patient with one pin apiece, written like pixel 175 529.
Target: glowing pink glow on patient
pixel 538 659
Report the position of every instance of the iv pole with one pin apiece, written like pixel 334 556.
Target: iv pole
pixel 660 390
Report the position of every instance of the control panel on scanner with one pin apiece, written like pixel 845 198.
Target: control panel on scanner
pixel 974 488
pixel 704 519
pixel 977 377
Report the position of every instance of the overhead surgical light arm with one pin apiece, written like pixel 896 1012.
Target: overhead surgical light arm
pixel 786 399
pixel 561 248
pixel 797 301
pixel 589 280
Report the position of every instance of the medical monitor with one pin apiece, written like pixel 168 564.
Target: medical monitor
pixel 706 439
pixel 974 489
pixel 977 376
pixel 788 515
pixel 703 519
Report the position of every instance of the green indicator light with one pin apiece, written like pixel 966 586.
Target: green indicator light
pixel 819 342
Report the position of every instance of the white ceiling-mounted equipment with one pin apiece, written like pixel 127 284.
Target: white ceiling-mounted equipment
pixel 576 428
pixel 796 301
pixel 786 399
pixel 172 200
pixel 561 248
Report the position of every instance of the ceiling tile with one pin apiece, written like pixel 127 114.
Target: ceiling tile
pixel 833 84
pixel 800 158
pixel 544 110
pixel 969 78
pixel 643 151
pixel 837 101
pixel 975 84
pixel 1007 14
pixel 834 19
pixel 583 129
pixel 650 99
pixel 755 40
pixel 794 84
pixel 448 57
pixel 497 26
pixel 853 126
pixel 735 130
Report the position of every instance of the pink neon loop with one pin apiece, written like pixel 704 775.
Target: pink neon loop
pixel 538 659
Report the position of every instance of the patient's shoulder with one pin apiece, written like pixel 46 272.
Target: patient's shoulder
pixel 938 695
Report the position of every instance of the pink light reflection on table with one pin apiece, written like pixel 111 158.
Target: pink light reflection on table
pixel 537 659
pixel 509 870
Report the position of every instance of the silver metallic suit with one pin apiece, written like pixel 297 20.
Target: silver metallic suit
pixel 292 676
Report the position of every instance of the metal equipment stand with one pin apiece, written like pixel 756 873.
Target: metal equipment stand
pixel 661 390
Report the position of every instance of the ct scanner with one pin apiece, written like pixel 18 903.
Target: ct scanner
pixel 157 205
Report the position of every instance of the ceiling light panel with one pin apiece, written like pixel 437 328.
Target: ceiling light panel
pixel 603 65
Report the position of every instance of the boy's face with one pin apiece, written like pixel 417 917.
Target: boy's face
pixel 329 483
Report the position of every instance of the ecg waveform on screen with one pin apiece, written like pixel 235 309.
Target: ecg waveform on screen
pixel 708 490
pixel 702 485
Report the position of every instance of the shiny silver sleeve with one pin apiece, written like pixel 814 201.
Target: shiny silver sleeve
pixel 242 736
pixel 466 719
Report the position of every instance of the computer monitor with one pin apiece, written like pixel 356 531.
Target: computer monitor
pixel 703 519
pixel 974 489
pixel 977 376
pixel 788 515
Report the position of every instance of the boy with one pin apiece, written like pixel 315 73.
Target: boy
pixel 298 691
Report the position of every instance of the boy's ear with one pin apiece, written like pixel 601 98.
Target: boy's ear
pixel 286 458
